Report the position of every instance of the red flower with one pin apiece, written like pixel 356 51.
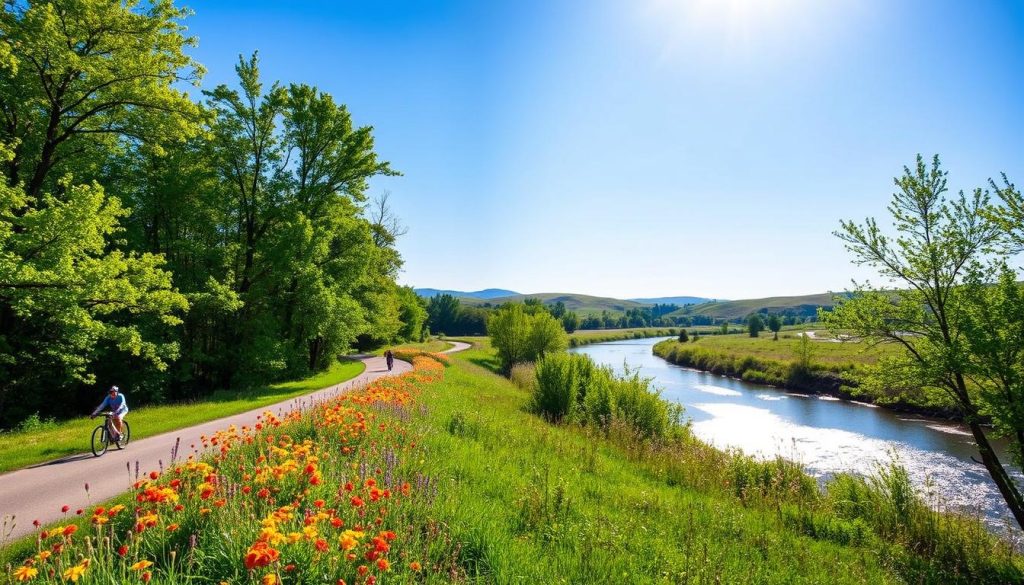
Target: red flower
pixel 357 501
pixel 122 550
pixel 153 475
pixel 65 508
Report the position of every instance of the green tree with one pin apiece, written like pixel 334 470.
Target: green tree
pixel 64 293
pixel 570 322
pixel 412 313
pixel 725 327
pixel 522 337
pixel 557 310
pixel 443 313
pixel 945 313
pixel 774 325
pixel 755 325
pixel 684 336
pixel 91 76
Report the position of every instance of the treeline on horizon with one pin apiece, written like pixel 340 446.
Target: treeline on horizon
pixel 176 244
pixel 447 315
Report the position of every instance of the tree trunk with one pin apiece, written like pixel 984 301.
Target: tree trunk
pixel 995 469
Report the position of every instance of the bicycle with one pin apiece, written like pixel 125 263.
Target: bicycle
pixel 101 435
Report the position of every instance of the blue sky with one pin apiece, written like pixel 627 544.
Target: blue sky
pixel 646 147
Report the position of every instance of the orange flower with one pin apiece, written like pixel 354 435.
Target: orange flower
pixel 69 530
pixel 25 573
pixel 415 566
pixel 141 565
pixel 260 555
pixel 146 577
pixel 270 579
pixel 383 564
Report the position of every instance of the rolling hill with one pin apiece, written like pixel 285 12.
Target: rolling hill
pixel 804 306
pixel 489 293
pixel 582 304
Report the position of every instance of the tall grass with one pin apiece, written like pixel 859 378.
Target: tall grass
pixel 571 386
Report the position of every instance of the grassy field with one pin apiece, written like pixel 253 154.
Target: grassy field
pixel 542 503
pixel 494 494
pixel 19 449
pixel 825 352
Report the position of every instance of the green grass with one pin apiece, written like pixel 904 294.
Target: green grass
pixel 587 336
pixel 433 346
pixel 19 449
pixel 526 501
pixel 839 355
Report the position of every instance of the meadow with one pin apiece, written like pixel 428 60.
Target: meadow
pixel 445 475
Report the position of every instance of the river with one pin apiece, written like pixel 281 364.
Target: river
pixel 825 434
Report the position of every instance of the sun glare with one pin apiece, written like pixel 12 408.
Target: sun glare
pixel 731 26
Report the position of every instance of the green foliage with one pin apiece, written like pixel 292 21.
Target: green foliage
pixel 571 386
pixel 684 336
pixel 774 325
pixel 522 337
pixel 64 295
pixel 87 74
pixel 251 209
pixel 955 313
pixel 754 325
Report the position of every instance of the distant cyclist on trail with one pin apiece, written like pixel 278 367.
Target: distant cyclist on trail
pixel 118 406
pixel 390 358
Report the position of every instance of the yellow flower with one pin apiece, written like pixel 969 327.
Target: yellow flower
pixel 24 573
pixel 349 539
pixel 269 579
pixel 141 565
pixel 74 573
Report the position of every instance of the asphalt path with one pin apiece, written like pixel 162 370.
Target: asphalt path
pixel 78 481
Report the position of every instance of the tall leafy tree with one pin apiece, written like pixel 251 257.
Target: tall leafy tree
pixel 308 270
pixel 945 312
pixel 91 75
pixel 63 292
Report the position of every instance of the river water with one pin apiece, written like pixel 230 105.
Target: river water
pixel 825 434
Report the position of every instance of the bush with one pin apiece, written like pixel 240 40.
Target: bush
pixel 571 386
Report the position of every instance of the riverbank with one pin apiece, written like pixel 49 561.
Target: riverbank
pixel 829 368
pixel 486 491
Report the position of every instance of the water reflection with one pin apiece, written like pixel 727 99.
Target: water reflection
pixel 825 434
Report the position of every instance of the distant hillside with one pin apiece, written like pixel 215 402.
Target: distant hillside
pixel 490 293
pixel 674 300
pixel 803 306
pixel 581 304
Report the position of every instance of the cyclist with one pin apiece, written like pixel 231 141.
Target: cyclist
pixel 118 406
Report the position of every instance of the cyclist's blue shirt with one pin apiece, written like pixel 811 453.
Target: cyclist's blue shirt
pixel 116 405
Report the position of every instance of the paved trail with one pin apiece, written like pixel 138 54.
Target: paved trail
pixel 39 491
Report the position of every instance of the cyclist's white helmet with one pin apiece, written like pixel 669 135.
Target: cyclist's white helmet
pixel 114 389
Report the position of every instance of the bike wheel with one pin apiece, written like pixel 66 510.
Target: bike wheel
pixel 99 441
pixel 126 434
